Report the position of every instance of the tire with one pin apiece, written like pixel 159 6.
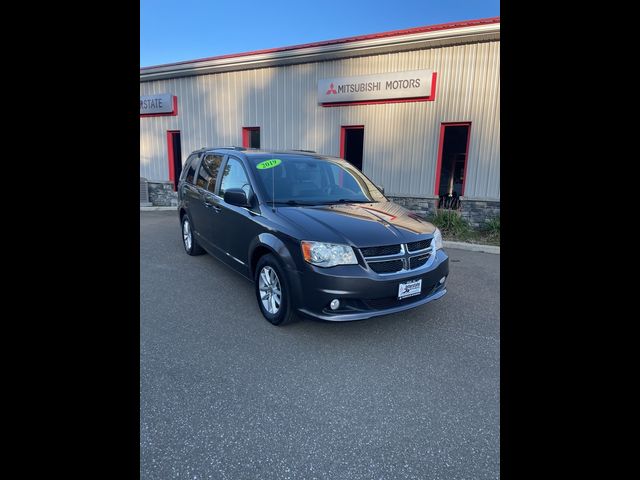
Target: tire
pixel 189 241
pixel 268 269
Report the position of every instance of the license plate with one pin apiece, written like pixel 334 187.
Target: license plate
pixel 409 289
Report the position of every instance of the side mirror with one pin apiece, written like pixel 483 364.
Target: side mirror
pixel 237 197
pixel 381 188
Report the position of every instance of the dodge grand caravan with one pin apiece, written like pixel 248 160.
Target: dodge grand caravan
pixel 312 232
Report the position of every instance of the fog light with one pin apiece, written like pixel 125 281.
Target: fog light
pixel 335 303
pixel 443 279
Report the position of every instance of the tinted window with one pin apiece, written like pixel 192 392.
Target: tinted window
pixel 234 177
pixel 208 172
pixel 189 170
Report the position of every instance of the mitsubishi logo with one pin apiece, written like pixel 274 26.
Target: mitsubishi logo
pixel 331 90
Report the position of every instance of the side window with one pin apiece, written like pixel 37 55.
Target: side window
pixel 208 172
pixel 234 176
pixel 189 170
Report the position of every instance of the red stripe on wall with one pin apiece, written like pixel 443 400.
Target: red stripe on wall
pixel 439 160
pixel 171 157
pixel 466 160
pixel 432 96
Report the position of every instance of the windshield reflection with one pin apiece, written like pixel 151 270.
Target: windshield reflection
pixel 309 181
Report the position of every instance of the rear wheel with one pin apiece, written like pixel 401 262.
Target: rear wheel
pixel 188 238
pixel 272 291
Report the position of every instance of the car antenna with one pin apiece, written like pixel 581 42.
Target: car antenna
pixel 273 190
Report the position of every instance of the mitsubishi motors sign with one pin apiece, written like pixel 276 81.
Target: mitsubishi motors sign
pixel 398 86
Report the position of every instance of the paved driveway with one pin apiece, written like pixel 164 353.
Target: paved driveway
pixel 224 394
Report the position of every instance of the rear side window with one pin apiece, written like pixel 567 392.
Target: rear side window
pixel 189 170
pixel 208 172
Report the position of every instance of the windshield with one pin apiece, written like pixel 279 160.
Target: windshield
pixel 310 181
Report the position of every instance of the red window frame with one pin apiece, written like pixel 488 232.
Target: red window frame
pixel 343 135
pixel 443 126
pixel 343 131
pixel 246 131
pixel 171 157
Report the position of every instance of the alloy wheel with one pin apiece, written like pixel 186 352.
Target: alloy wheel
pixel 270 290
pixel 186 234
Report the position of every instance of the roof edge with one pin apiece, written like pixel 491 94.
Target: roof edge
pixel 390 33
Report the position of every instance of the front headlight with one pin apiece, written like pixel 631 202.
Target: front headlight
pixel 328 254
pixel 437 239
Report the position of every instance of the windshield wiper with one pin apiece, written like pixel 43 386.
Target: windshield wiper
pixel 294 203
pixel 346 200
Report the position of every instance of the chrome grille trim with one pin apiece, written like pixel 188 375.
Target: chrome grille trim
pixel 406 258
pixel 382 258
pixel 426 240
pixel 387 249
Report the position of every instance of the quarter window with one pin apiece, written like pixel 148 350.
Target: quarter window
pixel 190 169
pixel 234 176
pixel 208 172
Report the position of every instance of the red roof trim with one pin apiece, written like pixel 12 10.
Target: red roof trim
pixel 392 33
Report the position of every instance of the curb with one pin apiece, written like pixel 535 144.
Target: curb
pixel 155 209
pixel 474 247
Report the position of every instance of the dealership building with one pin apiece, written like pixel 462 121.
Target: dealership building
pixel 417 110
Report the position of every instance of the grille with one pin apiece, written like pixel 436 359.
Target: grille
pixel 399 257
pixel 421 245
pixel 379 251
pixel 386 267
pixel 418 261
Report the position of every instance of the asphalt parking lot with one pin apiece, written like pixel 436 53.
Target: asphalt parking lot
pixel 226 395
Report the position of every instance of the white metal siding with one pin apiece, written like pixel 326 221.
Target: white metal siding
pixel 400 139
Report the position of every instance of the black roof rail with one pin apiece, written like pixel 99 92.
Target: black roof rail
pixel 300 150
pixel 232 147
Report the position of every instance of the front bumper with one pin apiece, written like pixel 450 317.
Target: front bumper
pixel 362 293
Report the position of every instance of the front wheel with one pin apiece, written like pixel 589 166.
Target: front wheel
pixel 272 291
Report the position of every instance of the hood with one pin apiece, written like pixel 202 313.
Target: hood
pixel 360 224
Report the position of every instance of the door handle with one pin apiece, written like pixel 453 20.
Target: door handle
pixel 209 204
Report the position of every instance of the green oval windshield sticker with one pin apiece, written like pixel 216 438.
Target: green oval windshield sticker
pixel 274 162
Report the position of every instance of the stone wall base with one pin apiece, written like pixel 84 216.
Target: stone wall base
pixel 425 207
pixel 476 212
pixel 161 194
